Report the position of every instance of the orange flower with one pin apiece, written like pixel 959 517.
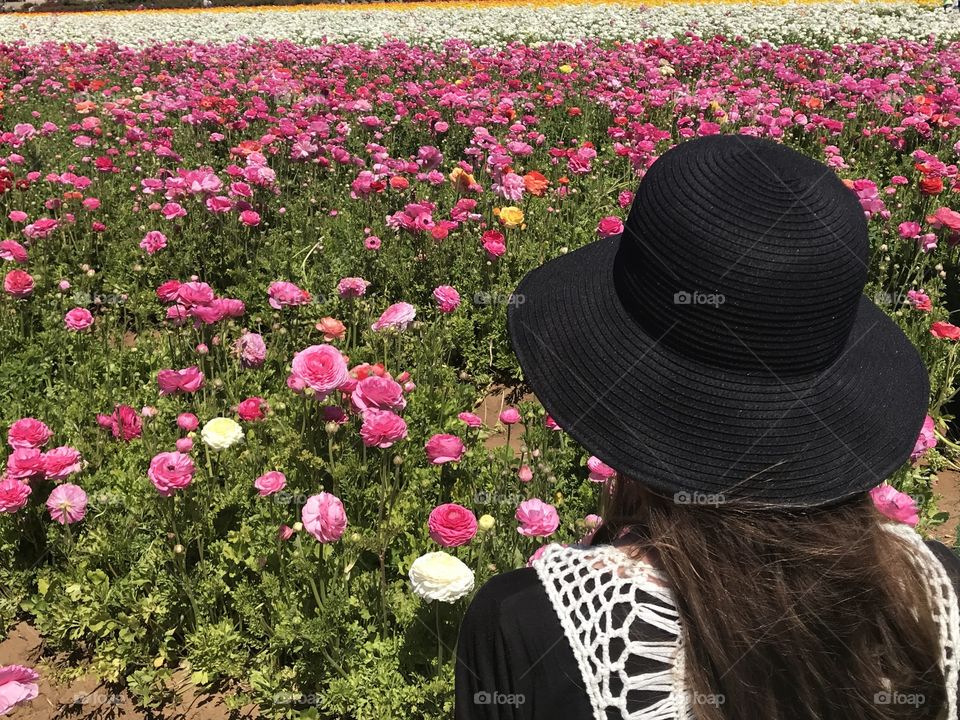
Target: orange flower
pixel 462 180
pixel 331 328
pixel 399 183
pixel 85 107
pixel 535 183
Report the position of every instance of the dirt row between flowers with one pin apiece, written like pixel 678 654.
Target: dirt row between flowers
pixel 86 698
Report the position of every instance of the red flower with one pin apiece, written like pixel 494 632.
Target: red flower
pixel 945 330
pixel 930 185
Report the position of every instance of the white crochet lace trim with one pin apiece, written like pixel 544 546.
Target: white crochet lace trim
pixel 586 584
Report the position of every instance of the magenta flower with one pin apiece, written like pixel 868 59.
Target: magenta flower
pixel 600 471
pixel 78 319
pixel 60 463
pixel 252 409
pixel 12 251
pixel 382 428
pixel 188 380
pixel 323 517
pixel 444 448
pixel 470 419
pixel 537 518
pixel 926 440
pixel 28 432
pixel 895 504
pixel 376 392
pixel 18 284
pixel 448 299
pixel 395 317
pixel 14 494
pixel 510 416
pixel 67 504
pixel 452 525
pixel 188 422
pixel 609 226
pixel 124 423
pixel 171 471
pixel 153 242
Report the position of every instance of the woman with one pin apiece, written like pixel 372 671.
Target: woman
pixel 721 357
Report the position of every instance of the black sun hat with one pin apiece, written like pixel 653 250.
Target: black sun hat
pixel 721 347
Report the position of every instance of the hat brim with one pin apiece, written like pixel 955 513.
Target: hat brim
pixel 678 425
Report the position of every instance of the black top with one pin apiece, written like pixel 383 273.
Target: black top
pixel 514 661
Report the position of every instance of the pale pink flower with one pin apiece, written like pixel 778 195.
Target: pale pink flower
pixel 395 317
pixel 537 518
pixel 351 287
pixel 448 299
pixel 378 393
pixel 171 471
pixel 67 504
pixel 14 494
pixel 525 474
pixel 510 416
pixel 252 349
pixel 188 422
pixel 28 432
pixel 382 428
pixel 184 444
pixel 452 525
pixel 321 368
pixel 444 448
pixel 471 420
pixel 18 684
pixel 270 483
pixel 78 319
pixel 323 517
pixel 600 471
pixel 895 504
pixel 286 294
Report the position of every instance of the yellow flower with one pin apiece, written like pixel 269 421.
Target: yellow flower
pixel 566 69
pixel 486 523
pixel 511 216
pixel 462 179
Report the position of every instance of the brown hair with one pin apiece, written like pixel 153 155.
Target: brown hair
pixel 790 614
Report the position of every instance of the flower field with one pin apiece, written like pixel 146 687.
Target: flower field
pixel 264 426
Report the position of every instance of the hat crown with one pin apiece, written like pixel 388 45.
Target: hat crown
pixel 743 253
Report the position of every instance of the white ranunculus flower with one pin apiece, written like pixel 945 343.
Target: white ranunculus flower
pixel 221 433
pixel 440 576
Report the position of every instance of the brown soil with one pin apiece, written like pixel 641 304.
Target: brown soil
pixel 489 410
pixel 88 699
pixel 947 489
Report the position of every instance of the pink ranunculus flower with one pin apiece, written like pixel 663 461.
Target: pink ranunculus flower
pixel 395 317
pixel 25 464
pixel 286 294
pixel 609 226
pixel 252 349
pixel 14 494
pixel 171 471
pixel 321 368
pixel 13 251
pixel 61 462
pixel 382 428
pixel 252 409
pixel 18 284
pixel 599 471
pixel 323 517
pixel 448 299
pixel 250 218
pixel 895 504
pixel 537 518
pixel 551 424
pixel 124 423
pixel 525 474
pixel 471 420
pixel 452 525
pixel 67 504
pixel 444 448
pixel 78 319
pixel 926 440
pixel 184 444
pixel 510 416
pixel 270 483
pixel 375 392
pixel 28 432
pixel 188 422
pixel 351 287
pixel 18 684
pixel 153 242
pixel 188 380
